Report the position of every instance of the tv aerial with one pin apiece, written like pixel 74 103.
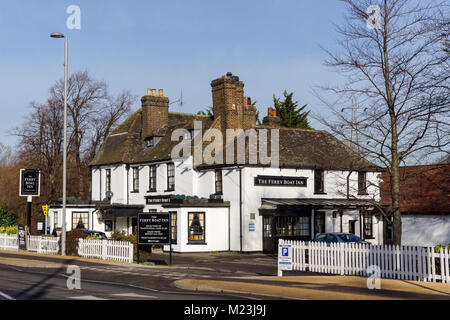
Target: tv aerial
pixel 179 101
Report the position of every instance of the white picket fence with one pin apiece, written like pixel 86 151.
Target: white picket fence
pixel 43 244
pixel 106 250
pixel 34 243
pixel 9 242
pixel 393 262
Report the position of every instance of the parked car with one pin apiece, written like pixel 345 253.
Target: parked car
pixel 99 234
pixel 339 238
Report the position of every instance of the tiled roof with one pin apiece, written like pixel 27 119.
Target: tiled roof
pixel 299 148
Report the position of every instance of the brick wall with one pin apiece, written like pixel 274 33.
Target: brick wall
pixel 229 103
pixel 155 114
pixel 423 189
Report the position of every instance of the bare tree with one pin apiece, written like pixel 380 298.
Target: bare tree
pixel 398 77
pixel 92 114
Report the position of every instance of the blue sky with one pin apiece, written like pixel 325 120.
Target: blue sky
pixel 272 45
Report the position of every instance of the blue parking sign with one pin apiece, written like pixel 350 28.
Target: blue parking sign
pixel 285 257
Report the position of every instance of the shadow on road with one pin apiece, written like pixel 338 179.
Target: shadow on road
pixel 42 286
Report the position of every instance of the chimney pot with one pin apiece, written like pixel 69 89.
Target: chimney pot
pixel 161 92
pixel 154 92
pixel 249 100
pixel 149 92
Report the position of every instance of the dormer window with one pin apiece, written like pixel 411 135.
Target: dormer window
pixel 188 135
pixel 150 142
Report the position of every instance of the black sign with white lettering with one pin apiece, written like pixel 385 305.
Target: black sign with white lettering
pixel 154 228
pixel 280 181
pixel 162 199
pixel 22 237
pixel 29 182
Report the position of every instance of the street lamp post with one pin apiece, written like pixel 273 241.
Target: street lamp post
pixel 63 229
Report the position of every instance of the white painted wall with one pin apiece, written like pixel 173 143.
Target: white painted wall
pixel 425 230
pixel 335 187
pixel 94 223
pixel 202 184
pixel 216 230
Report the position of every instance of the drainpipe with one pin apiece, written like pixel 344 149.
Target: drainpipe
pixel 229 231
pixel 361 231
pixel 100 173
pixel 240 205
pixel 127 166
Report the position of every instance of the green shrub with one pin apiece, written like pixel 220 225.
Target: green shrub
pixel 8 230
pixel 72 241
pixel 144 255
pixel 7 217
pixel 438 248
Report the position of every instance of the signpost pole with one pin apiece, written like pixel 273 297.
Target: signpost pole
pixel 137 242
pixel 29 199
pixel 170 239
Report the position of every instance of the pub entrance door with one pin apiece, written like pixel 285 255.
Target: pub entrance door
pixel 285 227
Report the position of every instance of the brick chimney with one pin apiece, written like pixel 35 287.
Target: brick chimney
pixel 271 120
pixel 155 112
pixel 230 104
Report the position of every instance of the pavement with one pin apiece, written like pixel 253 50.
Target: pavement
pixel 323 287
pixel 202 276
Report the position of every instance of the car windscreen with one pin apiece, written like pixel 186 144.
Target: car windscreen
pixel 349 237
pixel 321 238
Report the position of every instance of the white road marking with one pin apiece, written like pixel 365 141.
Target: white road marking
pixel 86 298
pixel 4 295
pixel 133 295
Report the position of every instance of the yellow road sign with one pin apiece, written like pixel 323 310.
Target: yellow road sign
pixel 45 210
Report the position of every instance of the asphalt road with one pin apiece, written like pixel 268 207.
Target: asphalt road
pixel 23 284
pixel 123 282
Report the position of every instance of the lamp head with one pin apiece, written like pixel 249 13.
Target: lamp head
pixel 56 35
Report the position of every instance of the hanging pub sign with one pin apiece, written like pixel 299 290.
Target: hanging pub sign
pixel 153 228
pixel 22 237
pixel 278 181
pixel 29 183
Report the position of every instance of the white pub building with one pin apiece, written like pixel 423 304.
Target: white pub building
pixel 320 184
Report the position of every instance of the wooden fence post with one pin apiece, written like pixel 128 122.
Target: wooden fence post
pixel 279 271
